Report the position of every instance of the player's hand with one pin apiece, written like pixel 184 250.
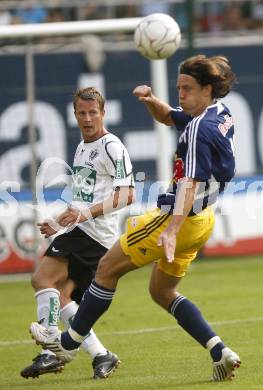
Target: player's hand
pixel 167 239
pixel 48 228
pixel 71 217
pixel 143 93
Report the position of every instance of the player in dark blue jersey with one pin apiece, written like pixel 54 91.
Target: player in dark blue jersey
pixel 171 235
pixel 205 152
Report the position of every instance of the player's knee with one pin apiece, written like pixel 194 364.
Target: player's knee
pixel 64 299
pixel 162 297
pixel 35 281
pixel 111 268
pixel 66 290
pixel 103 268
pixel 154 294
pixel 108 273
pixel 40 282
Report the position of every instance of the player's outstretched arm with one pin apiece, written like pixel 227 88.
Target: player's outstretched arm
pixel 157 108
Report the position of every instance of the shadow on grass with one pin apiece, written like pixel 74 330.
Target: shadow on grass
pixel 45 382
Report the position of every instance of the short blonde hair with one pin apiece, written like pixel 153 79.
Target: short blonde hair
pixel 89 93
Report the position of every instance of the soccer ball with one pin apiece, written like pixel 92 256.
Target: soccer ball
pixel 157 36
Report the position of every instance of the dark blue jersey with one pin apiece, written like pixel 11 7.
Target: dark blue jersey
pixel 205 151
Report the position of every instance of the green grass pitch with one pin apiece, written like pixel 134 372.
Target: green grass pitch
pixel 155 352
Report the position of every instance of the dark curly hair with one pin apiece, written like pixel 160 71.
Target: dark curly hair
pixel 215 71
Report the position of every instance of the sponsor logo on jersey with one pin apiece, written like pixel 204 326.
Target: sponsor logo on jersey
pixel 120 171
pixel 84 180
pixel 224 127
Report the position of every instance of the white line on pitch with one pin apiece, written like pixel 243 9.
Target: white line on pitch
pixel 167 328
pixel 140 331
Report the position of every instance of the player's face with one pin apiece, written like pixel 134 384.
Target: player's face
pixel 193 97
pixel 90 119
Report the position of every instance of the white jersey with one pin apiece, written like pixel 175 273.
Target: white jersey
pixel 99 167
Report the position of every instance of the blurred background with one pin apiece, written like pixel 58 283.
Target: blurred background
pixel 38 77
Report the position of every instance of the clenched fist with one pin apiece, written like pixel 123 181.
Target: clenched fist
pixel 143 93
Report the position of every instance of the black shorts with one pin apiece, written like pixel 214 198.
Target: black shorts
pixel 83 254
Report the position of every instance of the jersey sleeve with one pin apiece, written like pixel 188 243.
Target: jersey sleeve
pixel 119 164
pixel 199 154
pixel 180 118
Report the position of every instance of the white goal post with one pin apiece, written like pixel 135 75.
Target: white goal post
pixel 158 69
pixel 26 31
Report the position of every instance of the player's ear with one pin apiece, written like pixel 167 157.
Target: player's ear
pixel 208 89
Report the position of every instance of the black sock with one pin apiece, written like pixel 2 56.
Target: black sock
pixel 191 320
pixel 216 351
pixel 94 303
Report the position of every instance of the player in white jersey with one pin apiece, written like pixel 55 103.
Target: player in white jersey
pixel 102 183
pixel 100 165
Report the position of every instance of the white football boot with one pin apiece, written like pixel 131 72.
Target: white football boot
pixel 225 367
pixel 52 341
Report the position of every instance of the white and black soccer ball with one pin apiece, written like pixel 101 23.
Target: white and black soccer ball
pixel 157 36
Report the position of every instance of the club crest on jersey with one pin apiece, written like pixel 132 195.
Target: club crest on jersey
pixel 93 154
pixel 224 127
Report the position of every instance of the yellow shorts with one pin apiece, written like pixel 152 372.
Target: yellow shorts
pixel 142 232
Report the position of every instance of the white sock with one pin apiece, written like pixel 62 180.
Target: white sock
pixel 48 310
pixel 68 312
pixel 91 344
pixel 48 307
